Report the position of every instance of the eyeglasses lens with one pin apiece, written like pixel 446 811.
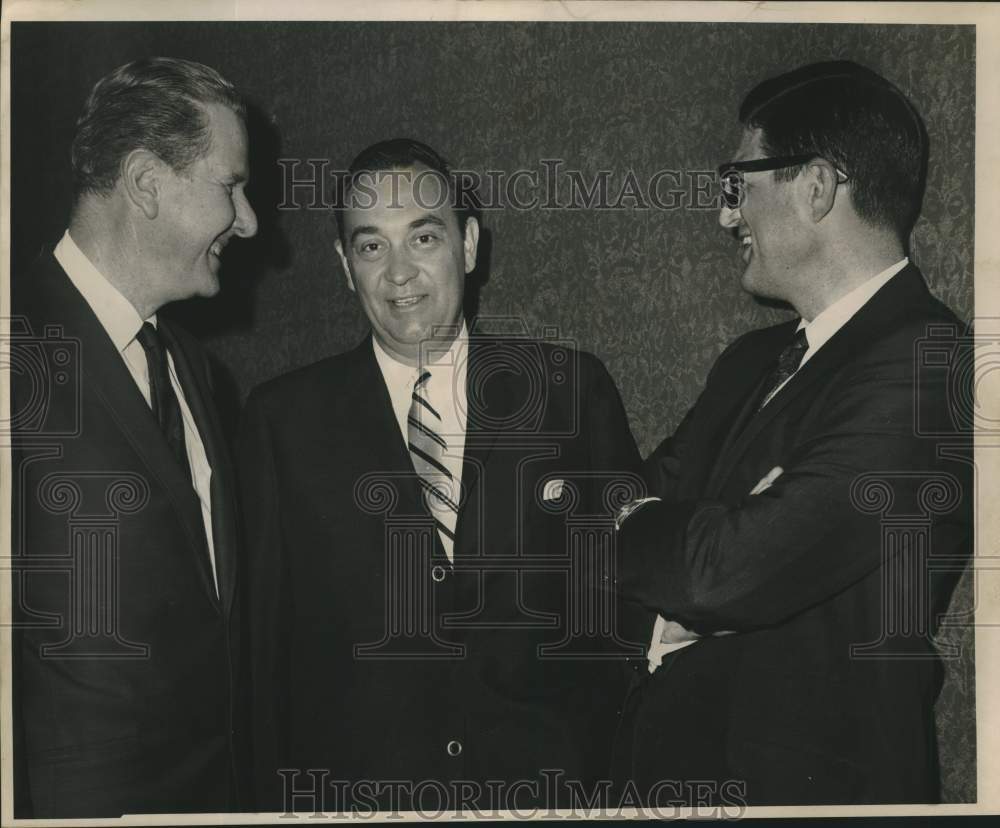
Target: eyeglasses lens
pixel 732 188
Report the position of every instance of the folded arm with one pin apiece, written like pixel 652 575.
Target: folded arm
pixel 715 566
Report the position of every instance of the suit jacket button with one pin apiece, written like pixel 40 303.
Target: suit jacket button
pixel 454 747
pixel 438 574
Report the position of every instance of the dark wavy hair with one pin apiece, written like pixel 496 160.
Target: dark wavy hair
pixel 858 121
pixel 156 104
pixel 401 154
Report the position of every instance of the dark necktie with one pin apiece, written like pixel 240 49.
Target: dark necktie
pixel 427 450
pixel 788 363
pixel 161 394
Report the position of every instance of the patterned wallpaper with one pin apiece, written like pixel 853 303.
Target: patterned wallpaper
pixel 653 292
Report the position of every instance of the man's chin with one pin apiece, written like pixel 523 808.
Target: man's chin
pixel 210 285
pixel 753 283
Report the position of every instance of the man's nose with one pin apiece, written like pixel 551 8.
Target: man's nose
pixel 401 266
pixel 245 225
pixel 729 217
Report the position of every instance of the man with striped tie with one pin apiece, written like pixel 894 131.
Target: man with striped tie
pixel 408 504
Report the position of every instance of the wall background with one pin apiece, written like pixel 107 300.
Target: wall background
pixel 654 293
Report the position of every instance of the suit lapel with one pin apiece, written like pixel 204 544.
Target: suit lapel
pixel 194 382
pixel 871 321
pixel 743 389
pixel 104 373
pixel 485 398
pixel 377 424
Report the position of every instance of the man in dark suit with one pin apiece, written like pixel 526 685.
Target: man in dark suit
pixel 811 510
pixel 125 524
pixel 429 517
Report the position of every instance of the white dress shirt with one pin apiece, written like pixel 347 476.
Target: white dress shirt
pixel 122 322
pixel 818 332
pixel 445 391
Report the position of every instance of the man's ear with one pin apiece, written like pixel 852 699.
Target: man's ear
pixel 347 268
pixel 142 180
pixel 471 243
pixel 821 187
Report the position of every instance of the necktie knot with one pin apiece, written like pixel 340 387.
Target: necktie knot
pixel 162 398
pixel 794 351
pixel 789 361
pixel 421 407
pixel 150 340
pixel 156 363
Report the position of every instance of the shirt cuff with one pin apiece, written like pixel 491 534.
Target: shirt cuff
pixel 629 508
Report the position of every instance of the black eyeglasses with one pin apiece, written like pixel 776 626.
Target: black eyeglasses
pixel 731 174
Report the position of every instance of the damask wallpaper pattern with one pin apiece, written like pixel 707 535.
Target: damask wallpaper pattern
pixel 653 292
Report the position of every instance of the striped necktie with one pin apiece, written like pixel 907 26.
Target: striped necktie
pixel 427 448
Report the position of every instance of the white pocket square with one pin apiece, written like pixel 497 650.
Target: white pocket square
pixel 765 482
pixel 553 489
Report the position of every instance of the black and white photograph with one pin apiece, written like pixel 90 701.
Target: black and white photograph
pixel 498 411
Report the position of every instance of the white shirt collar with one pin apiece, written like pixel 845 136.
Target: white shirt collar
pixel 116 314
pixel 394 372
pixel 446 385
pixel 833 318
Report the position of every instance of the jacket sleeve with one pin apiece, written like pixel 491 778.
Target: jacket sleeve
pixel 719 566
pixel 614 455
pixel 662 469
pixel 265 598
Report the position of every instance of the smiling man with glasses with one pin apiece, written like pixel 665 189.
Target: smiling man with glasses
pixel 790 656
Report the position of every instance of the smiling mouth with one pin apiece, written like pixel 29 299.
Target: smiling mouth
pixel 746 246
pixel 406 302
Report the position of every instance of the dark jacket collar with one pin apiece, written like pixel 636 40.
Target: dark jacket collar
pixel 893 302
pixel 49 300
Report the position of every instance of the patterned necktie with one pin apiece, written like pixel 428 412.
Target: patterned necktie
pixel 788 363
pixel 162 398
pixel 427 449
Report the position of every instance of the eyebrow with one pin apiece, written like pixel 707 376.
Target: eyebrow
pixel 423 221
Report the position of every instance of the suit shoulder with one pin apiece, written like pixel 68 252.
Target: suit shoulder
pixel 591 374
pixel 935 312
pixel 779 331
pixel 921 320
pixel 557 352
pixel 30 286
pixel 747 344
pixel 300 382
pixel 556 357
